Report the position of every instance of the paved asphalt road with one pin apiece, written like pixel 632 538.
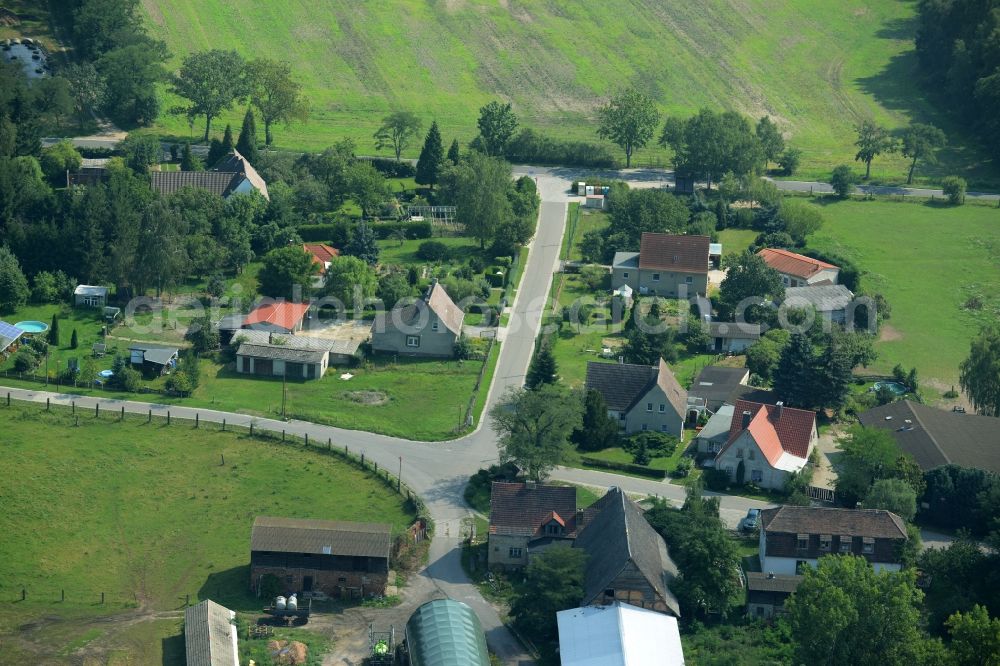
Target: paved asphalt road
pixel 438 471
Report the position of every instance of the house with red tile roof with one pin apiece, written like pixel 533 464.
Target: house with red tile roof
pixel 798 270
pixel 767 444
pixel 322 255
pixel 277 316
pixel 665 265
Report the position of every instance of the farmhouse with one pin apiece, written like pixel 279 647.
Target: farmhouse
pixel 90 296
pixel 618 635
pixel 429 327
pixel 666 265
pixel 156 359
pixel 210 635
pixel 233 175
pixel 831 302
pixel 767 443
pixel 792 537
pixel 935 437
pixel 339 558
pixel 277 316
pixel 768 592
pixel 626 559
pixel 798 270
pixel 640 397
pixel 526 518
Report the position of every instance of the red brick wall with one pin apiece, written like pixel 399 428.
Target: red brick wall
pixel 345 584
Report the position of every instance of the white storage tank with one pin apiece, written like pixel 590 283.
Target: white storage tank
pixel 293 603
pixel 279 603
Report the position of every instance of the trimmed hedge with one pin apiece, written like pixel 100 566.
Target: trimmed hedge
pixel 532 147
pixel 624 467
pixel 313 233
pixel 391 168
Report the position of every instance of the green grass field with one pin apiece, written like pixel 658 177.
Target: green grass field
pixel 817 67
pixel 928 261
pixel 146 514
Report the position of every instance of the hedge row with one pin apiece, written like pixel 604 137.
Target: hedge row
pixel 312 233
pixel 642 470
pixel 392 168
pixel 531 147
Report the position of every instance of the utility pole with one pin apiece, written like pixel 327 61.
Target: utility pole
pixel 284 389
pixel 46 366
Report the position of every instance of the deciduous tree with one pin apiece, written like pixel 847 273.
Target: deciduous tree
pixel 497 124
pixel 873 140
pixel 979 373
pixel 921 142
pixel 87 88
pixel 975 638
pixel 351 281
pixel 14 289
pixel 287 273
pixel 362 244
pixel 397 129
pixel 842 181
pixel 771 142
pixel 892 495
pixel 749 277
pixel 628 120
pixel 533 427
pixel 211 81
pixel 276 95
pixel 553 581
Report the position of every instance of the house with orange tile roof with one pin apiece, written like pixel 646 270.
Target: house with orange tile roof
pixel 798 270
pixel 277 316
pixel 322 255
pixel 767 444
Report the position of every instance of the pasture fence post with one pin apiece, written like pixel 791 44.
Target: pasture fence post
pixel 102 598
pixel 282 435
pixel 251 428
pixel 74 408
pixel 168 418
pixel 149 416
pixel 97 409
pixel 123 414
pixel 62 596
pixel 329 444
pixel 8 398
pixel 24 594
pixel 196 420
pixel 47 405
pixel 307 439
pixel 223 425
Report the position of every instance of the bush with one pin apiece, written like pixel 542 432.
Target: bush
pixel 463 348
pixel 641 470
pixel 593 276
pixel 432 250
pixel 842 181
pixel 743 219
pixel 412 230
pixel 25 360
pixel 127 379
pixel 716 479
pixel 531 147
pixel 683 468
pixel 789 160
pixel 954 189
pixel 179 383
pixel 392 168
pixel 658 444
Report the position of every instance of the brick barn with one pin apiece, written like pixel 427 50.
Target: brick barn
pixel 338 558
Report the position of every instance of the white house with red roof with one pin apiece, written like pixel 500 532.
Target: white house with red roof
pixel 798 270
pixel 277 316
pixel 767 443
pixel 322 255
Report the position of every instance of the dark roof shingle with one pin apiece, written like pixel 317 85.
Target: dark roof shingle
pixel 794 427
pixel 670 252
pixel 767 582
pixel 936 437
pixel 321 537
pixel 622 385
pixel 520 508
pixel 874 523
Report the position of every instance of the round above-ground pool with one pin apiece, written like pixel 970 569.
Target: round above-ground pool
pixel 895 387
pixel 32 326
pixel 106 374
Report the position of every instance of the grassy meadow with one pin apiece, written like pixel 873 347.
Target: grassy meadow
pixel 817 67
pixel 147 514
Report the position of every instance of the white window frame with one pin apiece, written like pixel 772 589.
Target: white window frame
pixel 826 543
pixel 846 545
pixel 413 341
pixel 663 408
pixel 649 406
pixel 515 553
pixel 868 547
pixel 656 277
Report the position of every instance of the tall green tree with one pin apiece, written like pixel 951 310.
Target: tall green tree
pixel 533 427
pixel 542 369
pixel 362 244
pixel 873 140
pixel 921 142
pixel 396 131
pixel 598 431
pixel 749 277
pixel 975 638
pixel 842 180
pixel 367 187
pixel 287 273
pixel 771 142
pixel 87 88
pixel 479 189
pixel 211 81
pixel 188 160
pixel 431 156
pixel 794 377
pixel 246 144
pixel 843 612
pixel 131 74
pixel 709 144
pixel 160 259
pixel 497 124
pixel 553 581
pixel 141 151
pixel 14 289
pixel 979 373
pixel 454 152
pixel 275 94
pixel 53 335
pixel 351 281
pixel 628 120
pixel 870 454
pixel 893 495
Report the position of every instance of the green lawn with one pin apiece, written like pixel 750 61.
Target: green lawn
pixel 818 67
pixel 147 515
pixel 735 241
pixel 404 253
pixel 928 261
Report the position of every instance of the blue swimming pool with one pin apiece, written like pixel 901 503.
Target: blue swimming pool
pixel 895 387
pixel 32 326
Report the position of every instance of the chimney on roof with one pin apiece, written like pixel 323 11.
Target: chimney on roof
pixel 747 416
pixel 579 518
pixel 777 414
pixel 270 337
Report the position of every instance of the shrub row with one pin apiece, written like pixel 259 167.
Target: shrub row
pixel 392 168
pixel 312 233
pixel 624 467
pixel 532 147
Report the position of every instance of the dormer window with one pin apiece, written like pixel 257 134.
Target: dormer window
pixel 868 545
pixel 825 540
pixel 845 543
pixel 803 541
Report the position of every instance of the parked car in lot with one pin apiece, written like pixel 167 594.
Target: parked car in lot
pixel 749 523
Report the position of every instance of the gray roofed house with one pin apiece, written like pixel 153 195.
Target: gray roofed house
pixel 936 437
pixel 321 537
pixel 280 352
pixel 640 397
pixel 767 592
pixel 233 175
pixel 339 558
pixel 715 385
pixel 429 327
pixel 157 357
pixel 731 337
pixel 210 635
pixel 626 559
pixel 830 301
pixel 715 433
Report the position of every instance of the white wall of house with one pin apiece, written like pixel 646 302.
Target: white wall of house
pixel 831 274
pixel 667 283
pixel 653 413
pixel 789 565
pixel 734 345
pixel 756 467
